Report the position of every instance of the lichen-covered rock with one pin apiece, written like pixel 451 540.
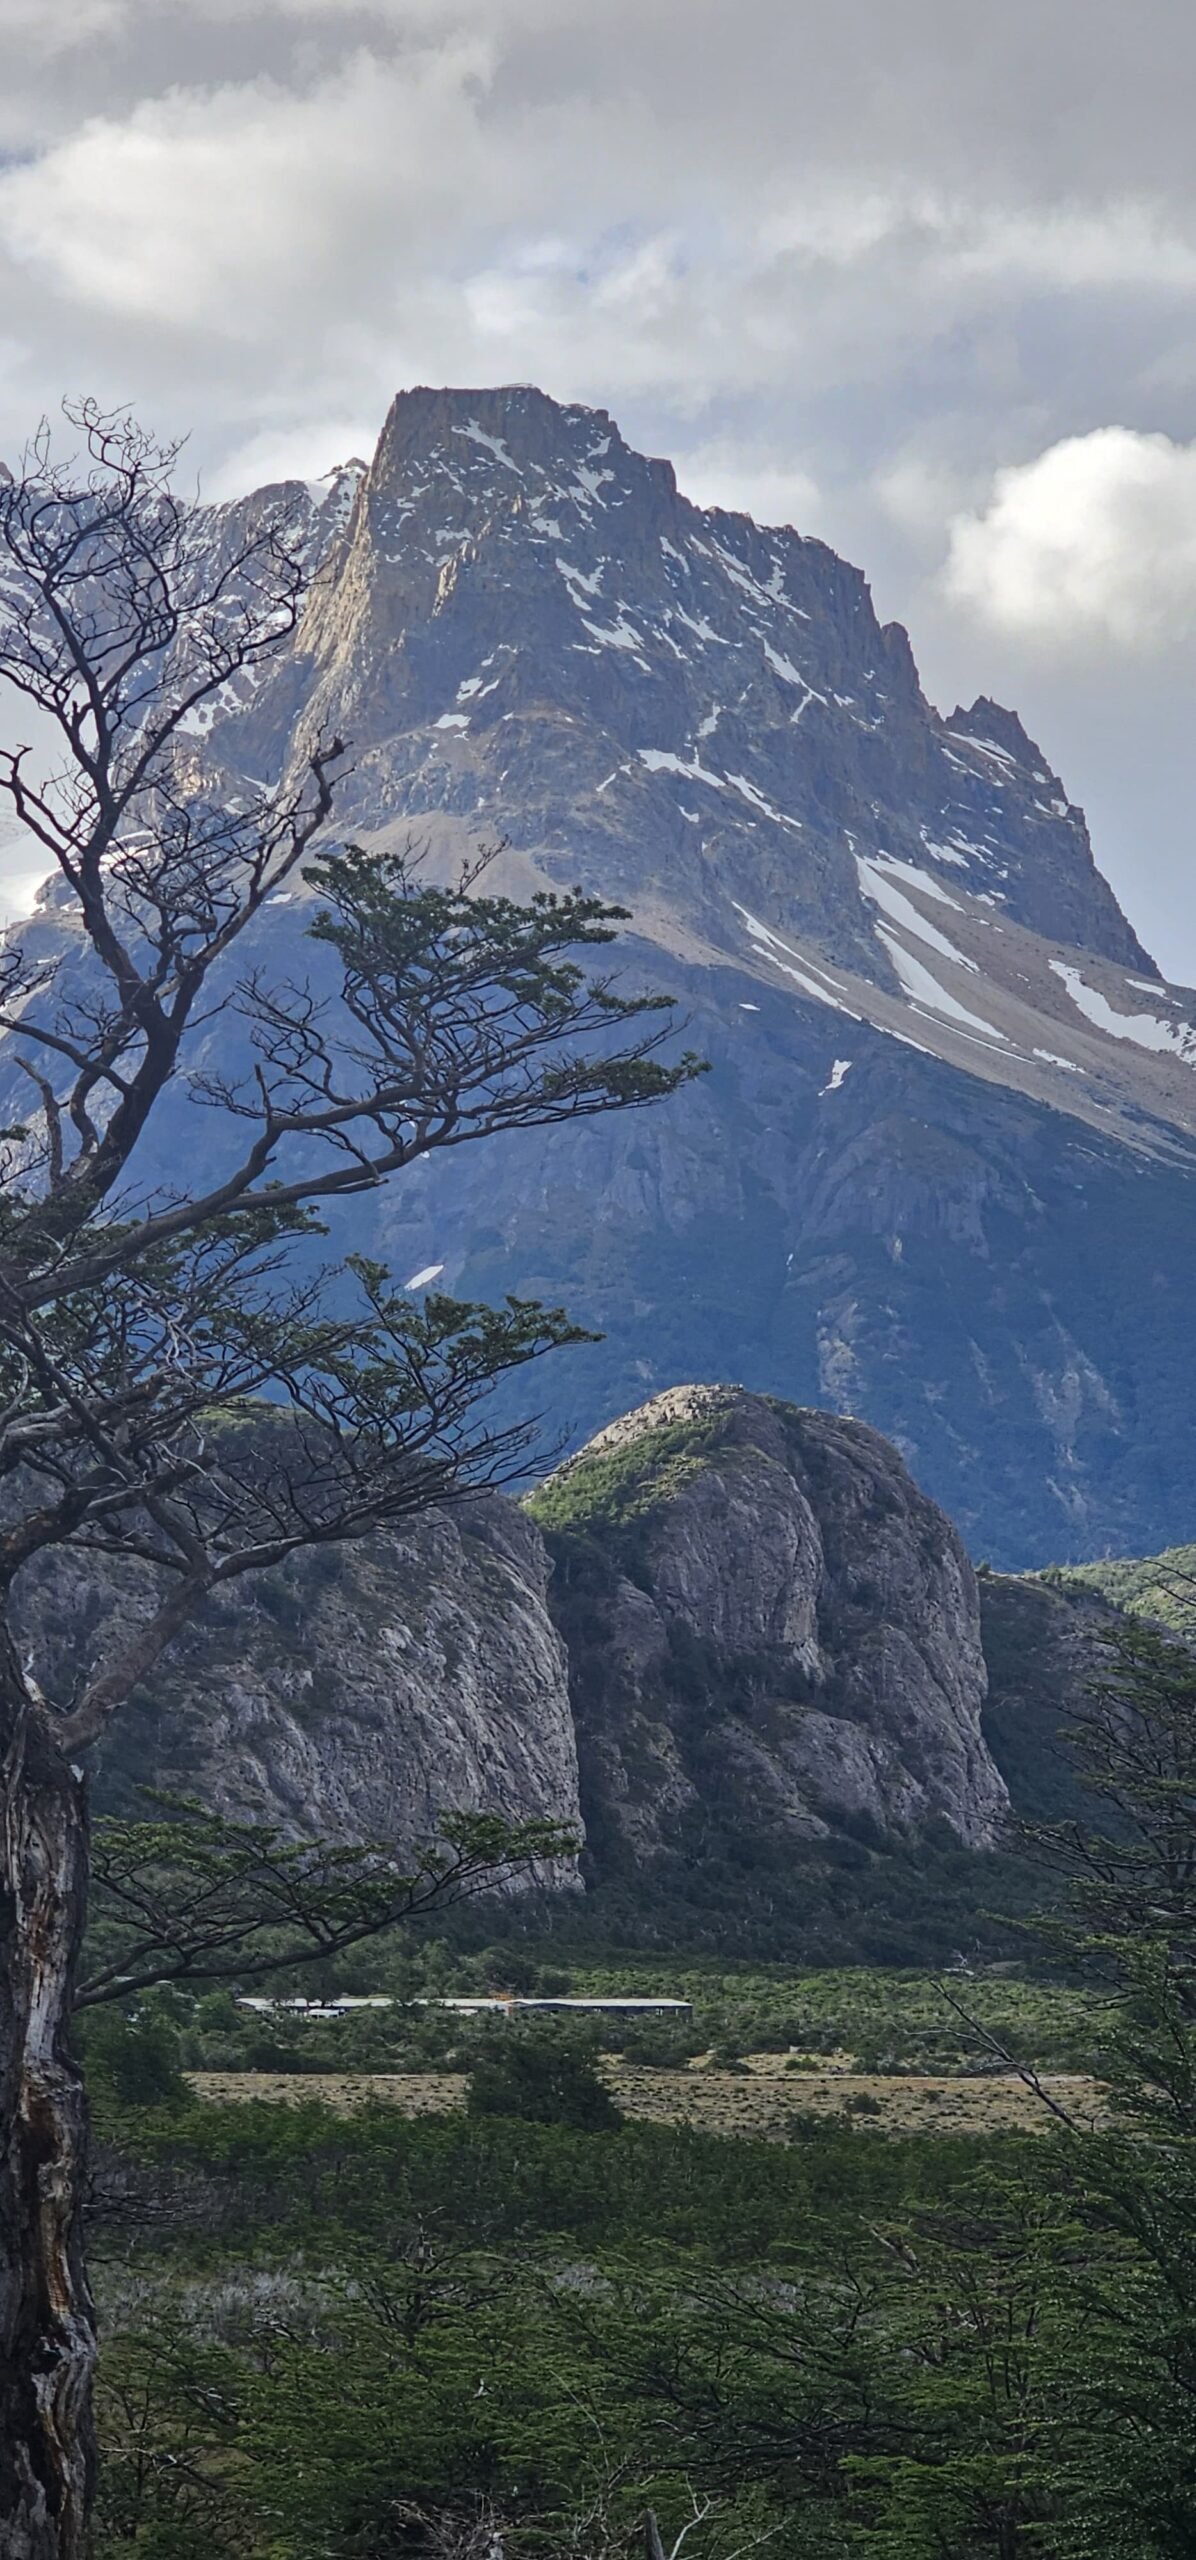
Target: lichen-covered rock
pixel 725 1609
pixel 763 1612
pixel 357 1693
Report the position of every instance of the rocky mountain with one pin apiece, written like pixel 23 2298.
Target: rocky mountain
pixel 730 1642
pixel 942 1173
pixel 724 1611
pixel 355 1693
pixel 763 1613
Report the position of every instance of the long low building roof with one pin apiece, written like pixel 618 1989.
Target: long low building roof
pixel 472 2002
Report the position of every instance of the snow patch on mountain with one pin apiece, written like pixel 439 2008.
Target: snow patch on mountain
pixel 661 760
pixel 756 800
pixel 878 884
pixel 492 444
pixel 813 980
pixel 1146 1030
pixel 925 992
pixel 618 635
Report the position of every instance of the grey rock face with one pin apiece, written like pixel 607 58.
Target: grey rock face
pixel 527 616
pixel 355 1694
pixel 768 1625
pixel 760 1606
pixel 1045 1647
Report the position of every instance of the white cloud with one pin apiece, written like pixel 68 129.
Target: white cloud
pixel 1110 245
pixel 724 473
pixel 1091 546
pixel 920 493
pixel 218 210
pixel 839 264
pixel 295 453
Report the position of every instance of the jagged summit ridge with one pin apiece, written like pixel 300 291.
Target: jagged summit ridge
pixel 739 705
pixel 529 632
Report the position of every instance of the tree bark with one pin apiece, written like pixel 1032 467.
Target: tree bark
pixel 47 2321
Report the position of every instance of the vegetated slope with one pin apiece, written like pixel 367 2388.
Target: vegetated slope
pixel 1162 1586
pixel 941 1173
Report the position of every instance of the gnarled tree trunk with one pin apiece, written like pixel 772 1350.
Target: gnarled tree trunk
pixel 47 2325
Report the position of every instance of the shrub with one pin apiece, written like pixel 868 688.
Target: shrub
pixel 136 2060
pixel 546 2080
pixel 806 2124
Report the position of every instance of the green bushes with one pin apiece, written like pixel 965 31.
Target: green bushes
pixel 546 2079
pixel 134 2061
pixel 611 1488
pixel 344 2325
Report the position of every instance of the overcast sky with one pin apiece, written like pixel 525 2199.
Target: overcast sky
pixel 916 275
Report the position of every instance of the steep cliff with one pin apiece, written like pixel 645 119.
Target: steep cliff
pixel 1044 1645
pixel 356 1693
pixel 731 1642
pixel 769 1628
pixel 724 1612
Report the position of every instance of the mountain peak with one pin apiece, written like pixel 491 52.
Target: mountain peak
pixel 534 631
pixel 946 1084
pixel 517 441
pixel 991 722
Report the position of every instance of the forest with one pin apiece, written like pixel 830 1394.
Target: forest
pixel 531 2320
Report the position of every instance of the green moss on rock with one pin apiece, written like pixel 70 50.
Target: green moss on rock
pixel 621 1479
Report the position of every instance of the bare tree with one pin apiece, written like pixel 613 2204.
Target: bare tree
pixel 175 1387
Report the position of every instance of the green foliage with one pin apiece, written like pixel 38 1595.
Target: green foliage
pixel 553 2324
pixel 545 2079
pixel 611 1488
pixel 843 2346
pixel 1133 1883
pixel 192 1897
pixel 1162 1586
pixel 412 952
pixel 887 2020
pixel 135 2058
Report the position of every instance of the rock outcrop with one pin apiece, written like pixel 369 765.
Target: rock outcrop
pixel 356 1693
pixel 725 1611
pixel 766 1619
pixel 1045 1646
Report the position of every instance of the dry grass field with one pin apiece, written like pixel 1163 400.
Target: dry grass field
pixel 760 2100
